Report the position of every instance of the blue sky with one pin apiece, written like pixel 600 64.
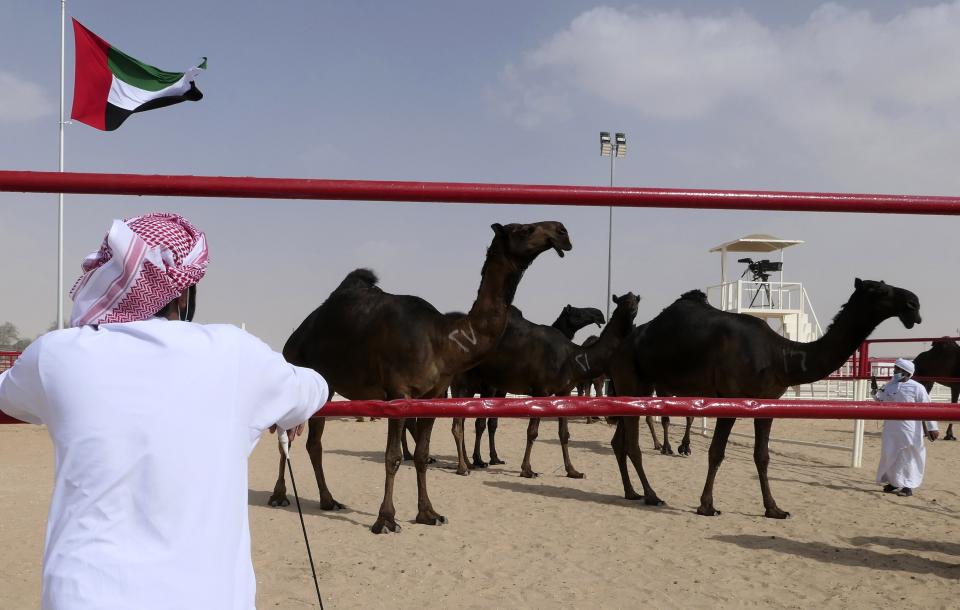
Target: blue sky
pixel 848 96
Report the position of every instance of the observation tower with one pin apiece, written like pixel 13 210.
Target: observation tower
pixel 760 289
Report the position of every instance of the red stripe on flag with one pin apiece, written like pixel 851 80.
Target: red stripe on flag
pixel 91 78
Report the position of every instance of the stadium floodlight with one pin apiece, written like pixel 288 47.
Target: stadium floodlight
pixel 613 149
pixel 621 145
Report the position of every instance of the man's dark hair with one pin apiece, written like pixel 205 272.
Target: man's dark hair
pixel 172 305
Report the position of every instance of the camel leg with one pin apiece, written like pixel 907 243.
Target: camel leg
pixel 421 455
pixel 564 431
pixel 954 395
pixel 718 447
pixel 408 426
pixel 279 497
pixel 665 448
pixel 684 448
pixel 492 424
pixel 533 429
pixel 761 457
pixel 620 452
pixel 392 456
pixel 457 428
pixel 479 426
pixel 653 433
pixel 315 451
pixel 631 439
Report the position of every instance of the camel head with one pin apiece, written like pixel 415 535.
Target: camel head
pixel 888 301
pixel 579 317
pixel 627 305
pixel 527 241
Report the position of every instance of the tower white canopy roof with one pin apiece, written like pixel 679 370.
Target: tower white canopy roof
pixel 757 242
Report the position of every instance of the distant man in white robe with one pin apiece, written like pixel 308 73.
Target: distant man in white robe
pixel 152 418
pixel 902 452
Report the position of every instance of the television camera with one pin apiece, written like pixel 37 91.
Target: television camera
pixel 761 271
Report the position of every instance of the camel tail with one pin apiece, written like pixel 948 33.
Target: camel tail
pixel 359 277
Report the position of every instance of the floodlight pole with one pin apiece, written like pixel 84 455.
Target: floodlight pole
pixel 614 147
pixel 613 160
pixel 63 27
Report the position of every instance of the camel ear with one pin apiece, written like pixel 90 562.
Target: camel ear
pixel 857 282
pixel 616 299
pixel 498 228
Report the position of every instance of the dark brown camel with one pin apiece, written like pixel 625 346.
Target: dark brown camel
pixel 570 320
pixel 538 360
pixel 372 345
pixel 694 349
pixel 941 360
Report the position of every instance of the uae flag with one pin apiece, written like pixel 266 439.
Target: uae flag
pixel 109 85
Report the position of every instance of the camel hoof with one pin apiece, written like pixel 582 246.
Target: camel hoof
pixel 494 461
pixel 657 447
pixel 653 501
pixel 479 463
pixel 707 511
pixel 950 438
pixel 683 449
pixel 331 504
pixel 573 474
pixel 632 496
pixel 384 526
pixel 666 450
pixel 276 500
pixel 431 518
pixel 776 513
pixel 529 474
pixel 464 472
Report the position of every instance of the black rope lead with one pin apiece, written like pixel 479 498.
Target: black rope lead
pixel 285 444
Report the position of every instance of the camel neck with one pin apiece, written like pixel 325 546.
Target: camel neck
pixel 809 362
pixel 564 325
pixel 598 354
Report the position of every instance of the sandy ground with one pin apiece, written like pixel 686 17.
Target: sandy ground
pixel 556 542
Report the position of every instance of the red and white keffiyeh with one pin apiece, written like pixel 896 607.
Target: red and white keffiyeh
pixel 143 264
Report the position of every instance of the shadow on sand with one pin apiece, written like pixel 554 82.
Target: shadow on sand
pixel 570 493
pixel 256 497
pixel 856 557
pixel 908 544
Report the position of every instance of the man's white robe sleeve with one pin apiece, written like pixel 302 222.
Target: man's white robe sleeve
pixel 275 391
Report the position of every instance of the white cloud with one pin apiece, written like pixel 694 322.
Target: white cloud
pixel 21 100
pixel 874 98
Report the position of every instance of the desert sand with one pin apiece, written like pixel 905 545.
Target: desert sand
pixel 554 542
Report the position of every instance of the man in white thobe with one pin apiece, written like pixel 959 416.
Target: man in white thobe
pixel 902 452
pixel 152 418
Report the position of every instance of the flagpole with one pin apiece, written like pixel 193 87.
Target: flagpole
pixel 63 37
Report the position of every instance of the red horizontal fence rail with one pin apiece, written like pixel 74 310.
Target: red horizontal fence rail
pixel 863 361
pixel 461 192
pixel 579 406
pixel 6 360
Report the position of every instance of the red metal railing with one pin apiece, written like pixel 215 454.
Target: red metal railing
pixel 6 360
pixel 570 406
pixel 459 192
pixel 284 188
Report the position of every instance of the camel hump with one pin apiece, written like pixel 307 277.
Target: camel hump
pixel 694 295
pixel 365 277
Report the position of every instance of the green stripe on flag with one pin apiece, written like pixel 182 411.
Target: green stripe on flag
pixel 139 74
